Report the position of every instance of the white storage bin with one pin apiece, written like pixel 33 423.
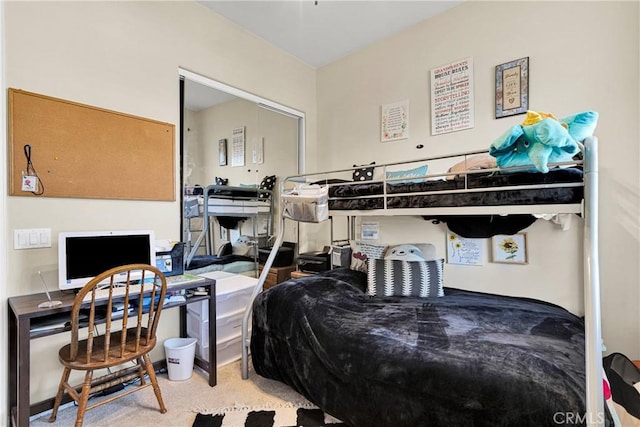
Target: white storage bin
pixel 202 352
pixel 226 327
pixel 227 351
pixel 199 309
pixel 233 292
pixel 197 328
pixel 230 325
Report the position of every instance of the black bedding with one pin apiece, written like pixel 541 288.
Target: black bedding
pixel 233 192
pixel 200 261
pixel 465 359
pixel 345 196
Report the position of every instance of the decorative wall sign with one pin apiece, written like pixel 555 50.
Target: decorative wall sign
pixel 512 88
pixel 237 147
pixel 510 249
pixel 395 121
pixel 222 151
pixel 461 250
pixel 452 97
pixel 257 150
pixel 370 230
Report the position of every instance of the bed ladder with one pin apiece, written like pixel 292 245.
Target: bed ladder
pixel 256 290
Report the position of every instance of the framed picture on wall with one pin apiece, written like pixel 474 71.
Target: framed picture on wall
pixel 465 251
pixel 222 151
pixel 512 88
pixel 510 249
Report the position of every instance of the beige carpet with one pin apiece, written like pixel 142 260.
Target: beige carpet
pixel 184 400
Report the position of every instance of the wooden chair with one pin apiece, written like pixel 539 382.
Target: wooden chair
pixel 129 335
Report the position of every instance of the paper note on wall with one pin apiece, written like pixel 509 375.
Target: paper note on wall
pixel 258 150
pixel 237 147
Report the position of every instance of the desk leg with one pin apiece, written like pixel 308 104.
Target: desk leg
pixel 12 392
pixel 183 321
pixel 213 362
pixel 19 344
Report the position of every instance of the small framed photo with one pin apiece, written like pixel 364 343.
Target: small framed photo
pixel 510 249
pixel 222 151
pixel 512 88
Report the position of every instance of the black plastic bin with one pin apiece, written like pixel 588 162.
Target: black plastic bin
pixel 283 258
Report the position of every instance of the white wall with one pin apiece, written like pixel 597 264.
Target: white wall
pixel 582 56
pixel 124 56
pixel 4 336
pixel 280 135
pixel 280 141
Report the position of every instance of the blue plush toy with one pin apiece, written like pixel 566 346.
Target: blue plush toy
pixel 543 139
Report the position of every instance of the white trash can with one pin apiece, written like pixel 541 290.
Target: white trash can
pixel 180 353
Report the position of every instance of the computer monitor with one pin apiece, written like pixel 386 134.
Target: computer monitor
pixel 82 255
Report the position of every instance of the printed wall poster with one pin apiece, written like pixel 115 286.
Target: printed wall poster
pixel 461 250
pixel 222 152
pixel 395 121
pixel 237 147
pixel 370 230
pixel 257 150
pixel 452 97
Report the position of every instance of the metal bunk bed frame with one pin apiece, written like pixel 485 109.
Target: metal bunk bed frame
pixel 234 211
pixel 594 415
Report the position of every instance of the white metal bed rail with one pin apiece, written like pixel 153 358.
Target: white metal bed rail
pixel 595 415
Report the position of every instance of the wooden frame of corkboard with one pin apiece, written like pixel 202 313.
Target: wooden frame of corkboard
pixel 88 152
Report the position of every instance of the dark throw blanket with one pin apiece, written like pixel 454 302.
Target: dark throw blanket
pixel 466 359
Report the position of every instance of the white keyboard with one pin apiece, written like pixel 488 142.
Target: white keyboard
pixel 118 291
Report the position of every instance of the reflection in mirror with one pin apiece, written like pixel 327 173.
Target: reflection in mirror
pixel 236 144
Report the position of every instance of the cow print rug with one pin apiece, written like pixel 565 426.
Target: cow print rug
pixel 268 417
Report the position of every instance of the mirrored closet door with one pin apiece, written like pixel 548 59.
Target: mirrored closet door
pixel 236 139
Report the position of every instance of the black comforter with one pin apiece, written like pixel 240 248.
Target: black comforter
pixel 345 196
pixel 465 359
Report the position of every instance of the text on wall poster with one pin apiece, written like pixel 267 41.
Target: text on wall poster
pixel 452 97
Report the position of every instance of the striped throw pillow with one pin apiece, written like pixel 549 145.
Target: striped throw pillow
pixel 386 277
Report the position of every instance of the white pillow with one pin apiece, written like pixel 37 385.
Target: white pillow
pixel 474 163
pixel 411 252
pixel 242 246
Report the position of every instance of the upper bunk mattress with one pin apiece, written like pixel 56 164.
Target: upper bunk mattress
pixel 558 186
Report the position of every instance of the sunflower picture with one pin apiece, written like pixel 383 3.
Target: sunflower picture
pixel 461 250
pixel 510 249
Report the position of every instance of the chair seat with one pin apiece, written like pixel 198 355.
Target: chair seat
pixel 97 359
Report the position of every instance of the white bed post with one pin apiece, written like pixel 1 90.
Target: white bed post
pixel 256 291
pixel 593 332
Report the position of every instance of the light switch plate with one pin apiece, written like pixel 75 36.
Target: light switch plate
pixel 30 238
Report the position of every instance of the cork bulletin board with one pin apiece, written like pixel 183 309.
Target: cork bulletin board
pixel 88 152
